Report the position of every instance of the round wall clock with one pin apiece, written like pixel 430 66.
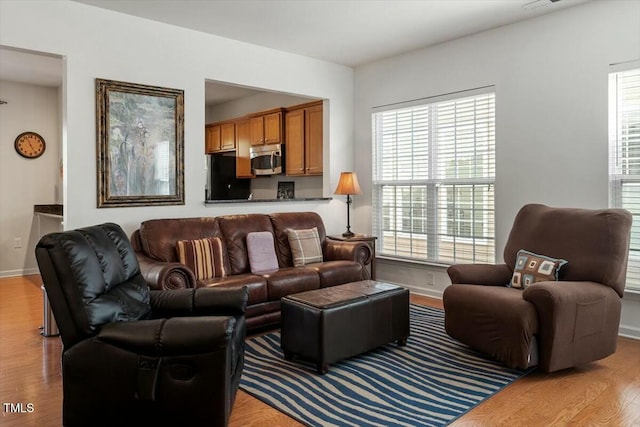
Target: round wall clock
pixel 30 145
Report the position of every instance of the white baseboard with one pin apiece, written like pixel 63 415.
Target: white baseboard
pixel 437 294
pixel 23 272
pixel 629 332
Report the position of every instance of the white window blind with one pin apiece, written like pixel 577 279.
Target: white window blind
pixel 433 180
pixel 624 157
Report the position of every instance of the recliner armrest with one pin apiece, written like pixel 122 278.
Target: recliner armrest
pixel 578 321
pixel 167 337
pixel 480 274
pixel 199 302
pixel 558 300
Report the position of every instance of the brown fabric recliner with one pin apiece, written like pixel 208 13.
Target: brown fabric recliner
pixel 134 356
pixel 555 325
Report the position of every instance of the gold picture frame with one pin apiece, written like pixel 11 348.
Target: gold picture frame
pixel 140 144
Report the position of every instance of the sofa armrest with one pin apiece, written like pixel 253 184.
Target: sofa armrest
pixel 170 337
pixel 165 275
pixel 334 250
pixel 480 274
pixel 578 321
pixel 199 302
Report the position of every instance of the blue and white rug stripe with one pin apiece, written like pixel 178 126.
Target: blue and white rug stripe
pixel 430 382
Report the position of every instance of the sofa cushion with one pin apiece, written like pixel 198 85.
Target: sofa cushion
pixel 256 285
pixel 531 268
pixel 262 252
pixel 334 273
pixel 290 280
pixel 202 256
pixel 305 246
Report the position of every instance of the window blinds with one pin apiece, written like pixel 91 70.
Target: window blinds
pixel 624 157
pixel 433 179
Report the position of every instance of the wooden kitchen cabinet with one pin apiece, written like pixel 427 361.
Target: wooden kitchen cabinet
pixel 313 140
pixel 243 161
pixel 219 137
pixel 266 127
pixel 227 136
pixel 304 140
pixel 212 140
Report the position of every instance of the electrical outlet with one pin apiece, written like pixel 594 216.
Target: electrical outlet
pixel 17 242
pixel 431 279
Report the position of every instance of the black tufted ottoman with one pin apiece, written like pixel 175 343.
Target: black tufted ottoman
pixel 329 324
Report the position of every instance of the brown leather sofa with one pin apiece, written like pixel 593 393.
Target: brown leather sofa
pixel 563 323
pixel 155 244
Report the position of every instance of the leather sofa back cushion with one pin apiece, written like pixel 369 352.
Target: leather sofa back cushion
pixel 159 237
pixel 203 257
pixel 235 229
pixel 294 221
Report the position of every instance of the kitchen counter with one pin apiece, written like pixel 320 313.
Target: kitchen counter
pixel 54 221
pixel 48 210
pixel 302 199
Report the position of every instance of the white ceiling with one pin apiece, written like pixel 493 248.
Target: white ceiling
pixel 349 32
pixel 25 67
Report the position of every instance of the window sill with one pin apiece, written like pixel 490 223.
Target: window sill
pixel 632 294
pixel 414 262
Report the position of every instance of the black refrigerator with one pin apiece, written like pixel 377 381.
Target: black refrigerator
pixel 223 184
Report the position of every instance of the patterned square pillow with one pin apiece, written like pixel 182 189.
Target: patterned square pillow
pixel 203 257
pixel 262 252
pixel 531 268
pixel 305 246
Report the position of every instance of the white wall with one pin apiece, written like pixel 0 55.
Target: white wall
pixel 26 182
pixel 97 43
pixel 550 77
pixel 252 104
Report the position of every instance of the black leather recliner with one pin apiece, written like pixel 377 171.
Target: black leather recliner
pixel 133 355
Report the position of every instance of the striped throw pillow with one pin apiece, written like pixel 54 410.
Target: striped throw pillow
pixel 305 246
pixel 203 257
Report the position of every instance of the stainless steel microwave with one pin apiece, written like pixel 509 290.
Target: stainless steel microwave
pixel 266 159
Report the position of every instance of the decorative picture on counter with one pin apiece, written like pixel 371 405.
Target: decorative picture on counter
pixel 286 190
pixel 140 131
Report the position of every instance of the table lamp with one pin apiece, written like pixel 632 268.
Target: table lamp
pixel 348 185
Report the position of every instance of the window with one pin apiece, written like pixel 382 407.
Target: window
pixel 624 156
pixel 433 179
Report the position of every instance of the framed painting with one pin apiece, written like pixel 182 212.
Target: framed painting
pixel 140 144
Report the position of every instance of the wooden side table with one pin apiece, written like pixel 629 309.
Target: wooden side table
pixel 368 239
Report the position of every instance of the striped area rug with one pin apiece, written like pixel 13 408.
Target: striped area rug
pixel 430 382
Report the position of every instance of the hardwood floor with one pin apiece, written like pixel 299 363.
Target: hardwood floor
pixel 606 393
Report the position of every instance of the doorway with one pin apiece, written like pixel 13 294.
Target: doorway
pixel 31 88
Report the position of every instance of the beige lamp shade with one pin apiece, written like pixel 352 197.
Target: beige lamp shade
pixel 348 184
